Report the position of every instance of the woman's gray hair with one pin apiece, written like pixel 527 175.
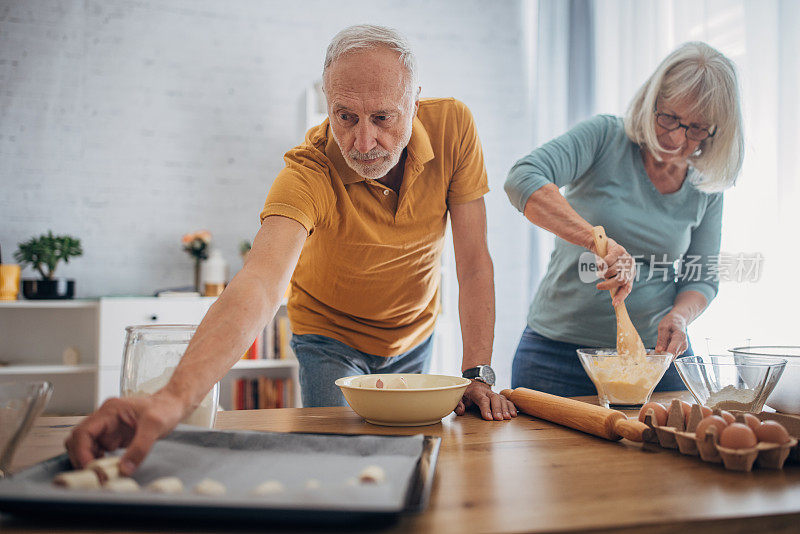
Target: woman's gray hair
pixel 698 74
pixel 364 36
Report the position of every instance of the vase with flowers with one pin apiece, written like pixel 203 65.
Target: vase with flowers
pixel 196 244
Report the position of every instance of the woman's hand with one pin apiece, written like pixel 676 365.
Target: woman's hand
pixel 619 269
pixel 672 336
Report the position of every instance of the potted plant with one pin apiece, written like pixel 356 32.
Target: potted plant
pixel 43 253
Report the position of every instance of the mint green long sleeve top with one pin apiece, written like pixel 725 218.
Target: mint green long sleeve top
pixel 604 180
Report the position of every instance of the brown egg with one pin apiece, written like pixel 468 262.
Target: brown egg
pixel 660 413
pixel 728 416
pixel 706 411
pixel 772 432
pixel 711 420
pixel 753 422
pixel 738 436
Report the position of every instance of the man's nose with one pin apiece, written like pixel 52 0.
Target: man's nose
pixel 366 138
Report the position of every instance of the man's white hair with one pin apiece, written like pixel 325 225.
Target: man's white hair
pixel 365 36
pixel 698 74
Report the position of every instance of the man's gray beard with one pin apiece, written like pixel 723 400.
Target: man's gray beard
pixel 375 172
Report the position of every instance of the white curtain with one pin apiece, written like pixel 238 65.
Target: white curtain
pixel 563 89
pixel 760 215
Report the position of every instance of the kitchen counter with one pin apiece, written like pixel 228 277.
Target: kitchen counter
pixel 526 475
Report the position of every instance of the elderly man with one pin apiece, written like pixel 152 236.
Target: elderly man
pixel 358 215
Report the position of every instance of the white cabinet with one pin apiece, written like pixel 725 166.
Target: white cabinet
pixel 34 335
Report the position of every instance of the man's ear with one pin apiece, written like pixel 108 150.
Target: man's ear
pixel 416 100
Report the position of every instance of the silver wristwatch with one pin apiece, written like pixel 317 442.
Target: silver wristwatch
pixel 482 373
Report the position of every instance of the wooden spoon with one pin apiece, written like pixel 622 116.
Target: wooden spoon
pixel 629 343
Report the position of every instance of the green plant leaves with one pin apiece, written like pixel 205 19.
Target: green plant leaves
pixel 46 251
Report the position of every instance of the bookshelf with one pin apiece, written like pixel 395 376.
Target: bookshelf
pixel 267 376
pixel 35 335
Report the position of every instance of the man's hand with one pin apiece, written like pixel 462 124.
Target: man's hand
pixel 619 269
pixel 672 335
pixel 132 422
pixel 493 406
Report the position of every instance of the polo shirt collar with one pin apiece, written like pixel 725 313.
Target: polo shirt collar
pixel 419 149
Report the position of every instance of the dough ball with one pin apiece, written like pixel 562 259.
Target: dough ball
pixel 208 486
pixel 106 468
pixel 270 487
pixel 166 485
pixel 372 474
pixel 122 485
pixel 83 479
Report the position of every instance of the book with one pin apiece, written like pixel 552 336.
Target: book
pixel 237 394
pixel 262 393
pixel 269 342
pixel 284 349
pixel 256 349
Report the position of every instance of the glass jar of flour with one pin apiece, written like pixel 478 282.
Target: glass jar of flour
pixel 152 353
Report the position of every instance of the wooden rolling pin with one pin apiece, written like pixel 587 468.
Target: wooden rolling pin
pixel 589 418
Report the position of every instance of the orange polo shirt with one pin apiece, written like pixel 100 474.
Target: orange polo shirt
pixel 368 274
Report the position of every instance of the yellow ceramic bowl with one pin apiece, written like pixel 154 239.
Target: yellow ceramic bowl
pixel 425 401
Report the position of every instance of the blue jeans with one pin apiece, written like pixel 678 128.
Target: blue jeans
pixel 552 366
pixel 323 360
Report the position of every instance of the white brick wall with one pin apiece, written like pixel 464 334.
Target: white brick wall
pixel 129 123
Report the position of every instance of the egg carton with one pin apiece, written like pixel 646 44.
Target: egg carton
pixel 680 434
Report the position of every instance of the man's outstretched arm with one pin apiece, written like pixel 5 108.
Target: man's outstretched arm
pixel 250 301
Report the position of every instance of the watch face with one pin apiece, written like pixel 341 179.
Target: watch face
pixel 482 373
pixel 486 374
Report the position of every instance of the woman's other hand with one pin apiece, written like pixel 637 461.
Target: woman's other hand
pixel 672 336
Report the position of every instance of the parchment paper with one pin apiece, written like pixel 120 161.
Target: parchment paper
pixel 242 460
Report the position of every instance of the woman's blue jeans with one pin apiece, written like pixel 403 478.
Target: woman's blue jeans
pixel 323 360
pixel 552 366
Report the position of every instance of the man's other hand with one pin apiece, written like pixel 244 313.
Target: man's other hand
pixel 493 406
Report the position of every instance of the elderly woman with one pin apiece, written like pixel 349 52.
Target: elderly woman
pixel 654 180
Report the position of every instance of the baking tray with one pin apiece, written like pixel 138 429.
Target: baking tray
pixel 241 460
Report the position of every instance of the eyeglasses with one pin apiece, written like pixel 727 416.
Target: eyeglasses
pixel 695 133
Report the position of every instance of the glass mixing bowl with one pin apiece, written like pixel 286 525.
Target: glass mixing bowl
pixel 623 382
pixel 20 405
pixel 152 353
pixel 786 395
pixel 730 382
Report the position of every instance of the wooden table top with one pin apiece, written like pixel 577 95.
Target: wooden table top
pixel 526 475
